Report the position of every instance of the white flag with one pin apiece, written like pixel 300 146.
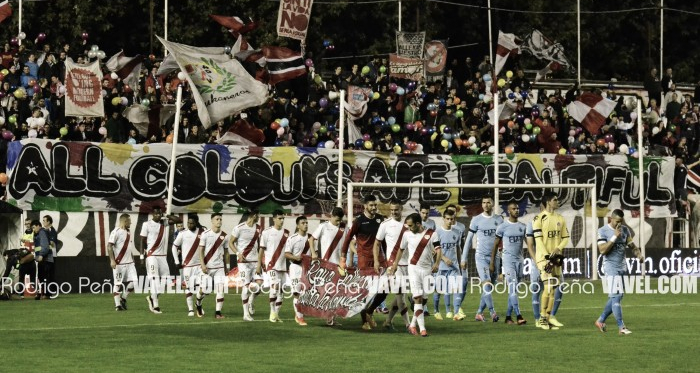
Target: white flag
pixel 220 85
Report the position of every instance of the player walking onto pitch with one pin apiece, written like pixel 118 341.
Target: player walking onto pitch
pixel 450 241
pixel 512 233
pixel 483 227
pixel 551 236
pixel 390 233
pixel 461 230
pixel 153 243
pixel 188 242
pixel 613 238
pixel 122 262
pixel 214 256
pixel 245 244
pixel 422 245
pixel 330 236
pixel 271 259
pixel 297 245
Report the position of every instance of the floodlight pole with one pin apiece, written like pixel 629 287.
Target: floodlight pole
pixel 640 152
pixel 341 148
pixel 173 152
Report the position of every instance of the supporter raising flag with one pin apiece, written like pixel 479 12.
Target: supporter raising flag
pixel 126 68
pixel 590 110
pixel 219 83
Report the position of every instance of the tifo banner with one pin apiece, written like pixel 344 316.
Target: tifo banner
pixel 405 67
pixel 435 59
pixel 410 44
pixel 83 89
pixel 293 18
pixel 77 176
pixel 220 85
pixel 326 293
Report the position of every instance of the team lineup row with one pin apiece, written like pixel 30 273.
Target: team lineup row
pixel 413 247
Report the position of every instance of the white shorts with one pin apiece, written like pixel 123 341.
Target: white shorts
pixel 295 278
pixel 157 266
pixel 416 278
pixel 124 273
pixel 246 272
pixel 214 280
pixel 193 277
pixel 277 277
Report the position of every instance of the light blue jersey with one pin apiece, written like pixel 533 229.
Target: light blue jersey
pixel 484 228
pixel 614 260
pixel 450 239
pixel 513 236
pixel 429 224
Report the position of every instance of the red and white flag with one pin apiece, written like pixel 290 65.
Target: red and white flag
pixel 508 45
pixel 235 25
pixel 83 90
pixel 5 10
pixel 126 68
pixel 283 64
pixel 242 133
pixel 541 47
pixel 591 110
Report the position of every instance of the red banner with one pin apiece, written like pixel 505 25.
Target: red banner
pixel 406 67
pixel 293 18
pixel 326 293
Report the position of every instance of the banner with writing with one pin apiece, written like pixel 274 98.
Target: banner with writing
pixel 405 67
pixel 293 18
pixel 410 44
pixel 83 89
pixel 77 176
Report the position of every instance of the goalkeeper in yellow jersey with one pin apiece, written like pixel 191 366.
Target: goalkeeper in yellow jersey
pixel 551 236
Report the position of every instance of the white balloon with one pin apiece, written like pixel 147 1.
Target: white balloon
pixel 32 134
pixel 114 76
pixel 62 90
pixel 40 122
pixel 22 36
pixel 526 138
pixel 2 120
pixel 330 144
pixel 624 149
pixel 181 75
pixel 332 95
pixel 472 140
pixel 101 55
pixel 94 48
pixel 92 54
pixel 492 149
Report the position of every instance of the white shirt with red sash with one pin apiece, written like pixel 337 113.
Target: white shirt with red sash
pixel 421 247
pixel 188 241
pixel 120 239
pixel 247 241
pixel 218 242
pixel 327 234
pixel 155 233
pixel 391 231
pixel 272 242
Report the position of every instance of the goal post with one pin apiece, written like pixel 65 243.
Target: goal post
pixel 590 226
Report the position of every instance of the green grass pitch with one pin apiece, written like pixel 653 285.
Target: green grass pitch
pixel 83 333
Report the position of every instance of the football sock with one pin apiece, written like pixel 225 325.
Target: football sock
pixel 557 300
pixel 188 298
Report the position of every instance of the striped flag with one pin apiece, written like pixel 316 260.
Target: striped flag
pixel 235 25
pixel 591 110
pixel 283 64
pixel 5 10
pixel 127 68
pixel 508 44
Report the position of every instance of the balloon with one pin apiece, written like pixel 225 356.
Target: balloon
pixel 41 36
pixel 528 125
pixel 20 93
pixel 635 155
pixel 608 137
pixel 572 133
pixel 22 36
pixel 368 145
pixel 94 48
pixel 125 101
pixel 624 149
pixel 444 143
pixel 487 98
pixel 447 136
pixel 284 122
pixel 472 139
pixel 12 119
pixel 359 143
pixel 562 151
pixel 62 90
pixel 474 148
pixel 330 144
pixel 481 97
pixel 458 142
pixel 397 149
pixel 316 126
pixel 169 138
pixel 32 134
pixel 5 72
pixel 633 115
pixel 366 137
pixel 114 76
pixel 331 127
pixel 309 62
pixel 14 41
pixel 323 102
pixel 511 96
pixel 333 95
pixel 655 130
pixel 382 69
pixel 502 130
pixel 365 70
pixel 323 129
pixel 318 79
pixel 274 126
pixel 400 91
pixel 391 121
pixel 525 138
pixel 410 127
pixel 102 131
pixel 536 130
pixel 433 113
pixel 442 102
pixel 375 96
pixel 3 178
pixel 419 124
pixel 611 145
pixel 321 145
pixel 280 131
pixel 487 77
pixel 7 135
pixel 40 122
pixel 393 87
pixel 396 128
pixel 2 121
pixel 84 35
pixel 433 136
pixel 600 142
pixel 456 100
pixel 501 82
pixel 145 102
pixel 509 74
pixel 63 131
pixel 492 149
pixel 92 54
pixel 459 114
pixel 116 100
pixel 509 149
pixel 632 150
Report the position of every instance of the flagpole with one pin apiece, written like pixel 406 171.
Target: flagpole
pixel 341 148
pixel 171 172
pixel 495 152
pixel 640 152
pixel 165 26
pixel 490 37
pixel 578 33
pixel 399 15
pixel 661 41
pixel 19 41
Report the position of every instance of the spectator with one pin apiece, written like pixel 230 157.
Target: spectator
pixel 652 84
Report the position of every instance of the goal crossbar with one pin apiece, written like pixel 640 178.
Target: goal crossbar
pixel 594 201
